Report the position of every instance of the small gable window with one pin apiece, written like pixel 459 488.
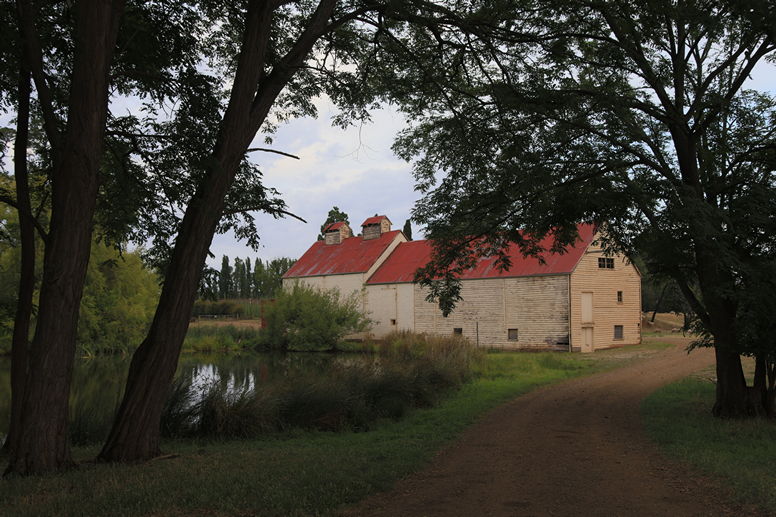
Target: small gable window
pixel 606 263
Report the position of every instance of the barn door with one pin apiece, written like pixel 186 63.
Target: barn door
pixel 587 322
pixel 587 308
pixel 587 341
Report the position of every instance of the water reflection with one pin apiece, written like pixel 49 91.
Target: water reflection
pixel 98 383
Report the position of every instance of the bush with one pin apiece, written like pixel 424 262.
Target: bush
pixel 304 318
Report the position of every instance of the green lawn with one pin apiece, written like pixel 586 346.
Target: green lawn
pixel 305 473
pixel 740 452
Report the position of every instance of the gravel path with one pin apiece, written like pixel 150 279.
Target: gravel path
pixel 572 449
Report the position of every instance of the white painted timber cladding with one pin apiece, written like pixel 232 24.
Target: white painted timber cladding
pixel 537 306
pixel 607 312
pixel 386 302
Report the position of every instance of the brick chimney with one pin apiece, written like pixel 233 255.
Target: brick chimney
pixel 375 226
pixel 337 232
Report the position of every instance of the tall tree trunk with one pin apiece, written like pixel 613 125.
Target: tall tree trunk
pixel 732 395
pixel 135 434
pixel 42 443
pixel 21 326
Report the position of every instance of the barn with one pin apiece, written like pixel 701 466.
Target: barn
pixel 581 300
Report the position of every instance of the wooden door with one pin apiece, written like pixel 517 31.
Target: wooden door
pixel 587 342
pixel 587 307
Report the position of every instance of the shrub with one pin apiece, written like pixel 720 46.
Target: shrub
pixel 304 318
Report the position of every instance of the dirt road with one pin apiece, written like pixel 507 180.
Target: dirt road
pixel 573 449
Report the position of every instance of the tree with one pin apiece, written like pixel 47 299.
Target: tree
pixel 238 275
pixel 40 441
pixel 627 114
pixel 335 216
pixel 407 230
pixel 225 279
pixel 287 53
pixel 247 280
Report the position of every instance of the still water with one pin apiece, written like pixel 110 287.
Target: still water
pixel 98 383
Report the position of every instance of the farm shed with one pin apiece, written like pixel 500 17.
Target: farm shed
pixel 343 261
pixel 580 300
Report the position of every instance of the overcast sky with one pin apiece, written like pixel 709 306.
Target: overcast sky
pixel 352 169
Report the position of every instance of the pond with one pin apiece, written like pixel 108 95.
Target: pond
pixel 98 383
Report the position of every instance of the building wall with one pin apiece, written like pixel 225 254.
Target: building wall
pixel 390 307
pixel 347 284
pixel 537 307
pixel 606 310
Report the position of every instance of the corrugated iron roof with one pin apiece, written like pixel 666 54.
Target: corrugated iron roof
pixel 334 226
pixel 408 257
pixel 375 220
pixel 352 255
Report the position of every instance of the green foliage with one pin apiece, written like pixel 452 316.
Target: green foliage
pixel 335 215
pixel 305 318
pixel 119 299
pixel 268 276
pixel 222 338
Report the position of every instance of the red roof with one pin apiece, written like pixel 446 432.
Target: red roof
pixel 352 255
pixel 408 257
pixel 334 226
pixel 374 220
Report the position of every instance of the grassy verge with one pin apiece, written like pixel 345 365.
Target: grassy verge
pixel 297 473
pixel 741 452
pixel 221 338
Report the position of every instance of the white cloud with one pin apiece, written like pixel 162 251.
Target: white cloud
pixel 353 169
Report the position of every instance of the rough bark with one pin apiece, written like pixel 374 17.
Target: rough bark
pixel 21 326
pixel 42 443
pixel 732 394
pixel 135 435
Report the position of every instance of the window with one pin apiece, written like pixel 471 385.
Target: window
pixel 619 296
pixel 606 263
pixel 393 322
pixel 512 334
pixel 458 330
pixel 618 332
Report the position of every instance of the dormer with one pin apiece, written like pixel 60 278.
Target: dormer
pixel 375 226
pixel 337 232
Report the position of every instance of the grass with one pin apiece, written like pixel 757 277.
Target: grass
pixel 302 473
pixel 740 452
pixel 221 338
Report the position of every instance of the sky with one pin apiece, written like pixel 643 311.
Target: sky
pixel 352 169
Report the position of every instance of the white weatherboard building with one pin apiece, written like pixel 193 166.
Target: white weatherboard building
pixel 580 300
